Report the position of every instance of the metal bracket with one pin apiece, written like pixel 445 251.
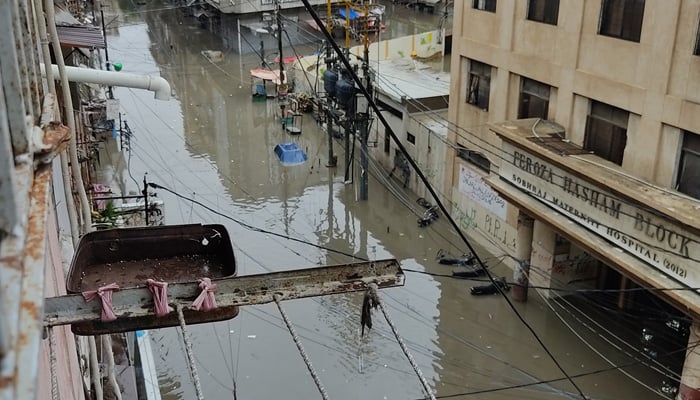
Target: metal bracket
pixel 237 291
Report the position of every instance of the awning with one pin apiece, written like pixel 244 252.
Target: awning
pixel 86 36
pixel 266 74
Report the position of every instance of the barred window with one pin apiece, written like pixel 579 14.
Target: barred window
pixel 479 84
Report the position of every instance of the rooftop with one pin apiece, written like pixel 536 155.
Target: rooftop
pixel 409 78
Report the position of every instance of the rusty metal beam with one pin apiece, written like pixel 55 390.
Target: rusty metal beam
pixel 238 291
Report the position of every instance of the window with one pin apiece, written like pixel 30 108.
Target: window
pixel 689 168
pixel 411 138
pixel 546 11
pixel 622 19
pixel 475 158
pixel 484 5
pixel 479 84
pixel 606 132
pixel 534 99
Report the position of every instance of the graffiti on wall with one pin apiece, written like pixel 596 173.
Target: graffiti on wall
pixel 472 185
pixel 487 224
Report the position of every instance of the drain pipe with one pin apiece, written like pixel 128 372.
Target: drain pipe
pixel 69 115
pixel 156 84
pixel 75 166
pixel 65 168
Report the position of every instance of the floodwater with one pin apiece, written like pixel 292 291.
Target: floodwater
pixel 213 144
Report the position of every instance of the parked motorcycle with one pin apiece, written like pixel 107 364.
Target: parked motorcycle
pixel 490 288
pixel 429 215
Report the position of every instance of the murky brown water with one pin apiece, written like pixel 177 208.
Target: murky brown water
pixel 213 144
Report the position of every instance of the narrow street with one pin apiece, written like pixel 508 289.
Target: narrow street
pixel 214 144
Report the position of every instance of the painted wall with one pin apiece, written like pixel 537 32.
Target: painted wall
pixel 657 80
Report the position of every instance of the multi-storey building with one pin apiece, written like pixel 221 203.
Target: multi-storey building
pixel 578 125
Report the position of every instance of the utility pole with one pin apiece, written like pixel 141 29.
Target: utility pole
pixel 104 37
pixel 363 118
pixel 332 159
pixel 145 197
pixel 279 38
pixel 280 97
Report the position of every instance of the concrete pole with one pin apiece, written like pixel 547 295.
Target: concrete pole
pixel 690 377
pixel 364 128
pixel 521 269
pixel 332 160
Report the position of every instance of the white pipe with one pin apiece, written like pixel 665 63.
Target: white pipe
pixel 156 84
pixel 65 169
pixel 70 117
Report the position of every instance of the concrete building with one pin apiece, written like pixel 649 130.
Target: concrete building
pixel 579 127
pixel 417 115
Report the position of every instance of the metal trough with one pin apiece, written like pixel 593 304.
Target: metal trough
pixel 130 256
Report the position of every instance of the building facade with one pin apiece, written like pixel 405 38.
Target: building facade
pixel 578 133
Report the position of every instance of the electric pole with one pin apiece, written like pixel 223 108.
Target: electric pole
pixel 363 118
pixel 332 160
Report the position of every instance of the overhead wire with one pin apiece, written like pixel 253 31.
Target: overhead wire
pixel 261 265
pixel 643 358
pixel 400 145
pixel 510 160
pixel 579 375
pixel 405 269
pixel 659 371
pixel 300 347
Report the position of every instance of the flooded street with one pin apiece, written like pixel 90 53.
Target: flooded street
pixel 213 144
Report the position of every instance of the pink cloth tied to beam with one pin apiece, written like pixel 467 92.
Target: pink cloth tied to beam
pixel 160 296
pixel 105 295
pixel 206 300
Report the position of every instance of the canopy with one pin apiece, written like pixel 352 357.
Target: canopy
pixel 267 75
pixel 290 154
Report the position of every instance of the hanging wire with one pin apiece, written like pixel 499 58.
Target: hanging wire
pixel 190 355
pixel 55 395
pixel 378 301
pixel 295 337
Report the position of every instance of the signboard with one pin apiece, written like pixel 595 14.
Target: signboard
pixel 472 185
pixel 654 239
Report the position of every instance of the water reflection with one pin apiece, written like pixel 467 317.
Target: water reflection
pixel 214 144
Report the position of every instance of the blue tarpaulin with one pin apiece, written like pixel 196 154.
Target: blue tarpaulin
pixel 290 154
pixel 353 14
